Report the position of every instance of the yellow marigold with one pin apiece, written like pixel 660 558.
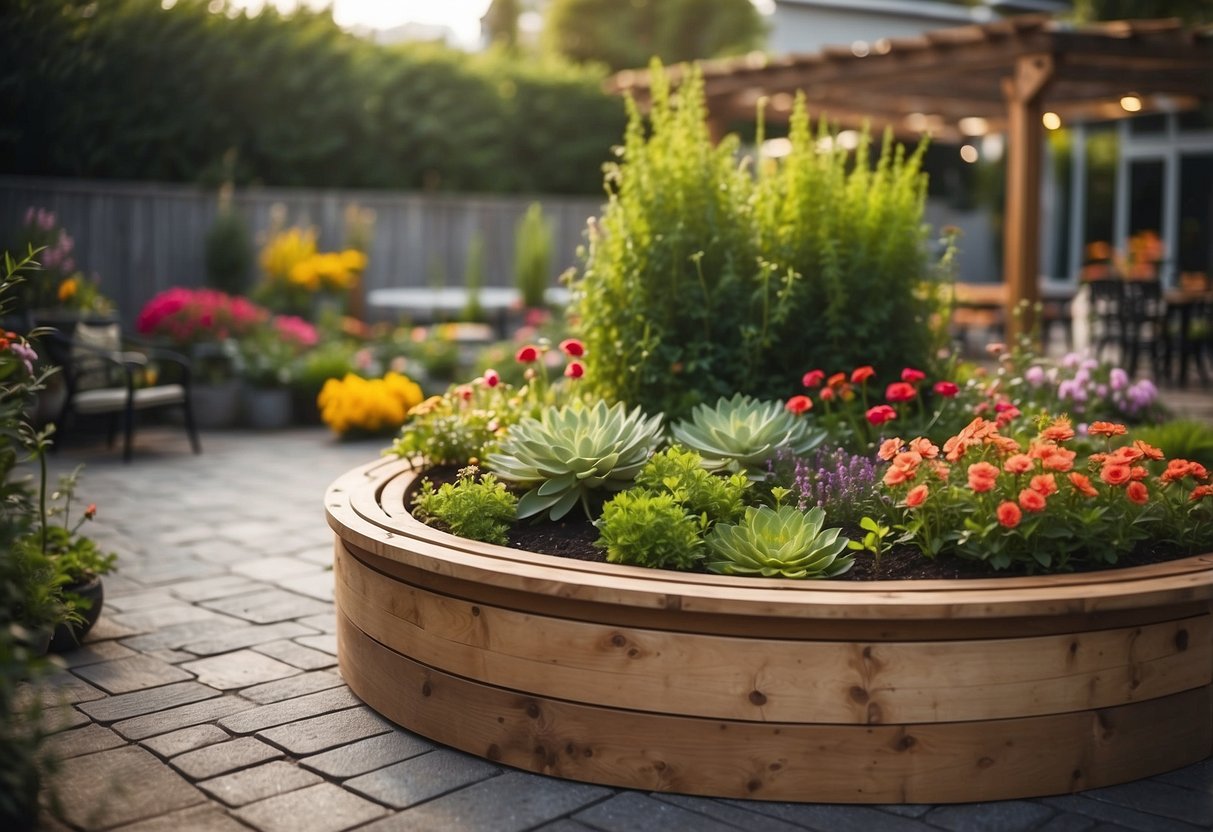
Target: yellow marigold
pixel 368 405
pixel 67 289
pixel 285 250
pixel 353 260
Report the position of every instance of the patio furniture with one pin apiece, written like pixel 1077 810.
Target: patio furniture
pixel 1189 319
pixel 104 374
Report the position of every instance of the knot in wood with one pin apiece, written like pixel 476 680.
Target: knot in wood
pixel 757 697
pixel 532 710
pixel 859 695
pixel 426 690
pixel 1181 640
pixel 618 640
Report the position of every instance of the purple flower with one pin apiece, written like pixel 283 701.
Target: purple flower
pixel 1118 378
pixel 1034 375
pixel 26 353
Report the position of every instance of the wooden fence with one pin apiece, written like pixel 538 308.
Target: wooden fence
pixel 141 238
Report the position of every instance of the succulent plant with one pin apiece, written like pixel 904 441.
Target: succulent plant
pixel 743 433
pixel 571 451
pixel 780 542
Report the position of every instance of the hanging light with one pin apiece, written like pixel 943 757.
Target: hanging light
pixel 1051 121
pixel 1130 103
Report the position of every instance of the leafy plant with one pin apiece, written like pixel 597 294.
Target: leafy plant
pixel 474 506
pixel 743 433
pixel 680 473
pixel 569 452
pixel 461 426
pixel 650 529
pixel 533 256
pixel 844 485
pixel 875 540
pixel 473 279
pixel 1182 439
pixel 229 249
pixel 778 542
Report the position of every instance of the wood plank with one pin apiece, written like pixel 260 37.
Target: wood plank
pixel 776 679
pixel 937 763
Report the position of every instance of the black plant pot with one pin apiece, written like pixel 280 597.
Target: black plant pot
pixel 69 636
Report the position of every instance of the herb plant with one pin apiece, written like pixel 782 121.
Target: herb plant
pixel 645 528
pixel 476 507
pixel 680 473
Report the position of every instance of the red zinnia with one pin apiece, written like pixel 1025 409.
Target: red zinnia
pixel 900 391
pixel 1138 493
pixel 813 378
pixel 947 389
pixel 527 354
pixel 880 414
pixel 861 374
pixel 575 369
pixel 911 376
pixel 572 347
pixel 799 404
pixel 492 378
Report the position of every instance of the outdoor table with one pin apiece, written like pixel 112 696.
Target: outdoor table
pixel 987 301
pixel 1187 308
pixel 447 302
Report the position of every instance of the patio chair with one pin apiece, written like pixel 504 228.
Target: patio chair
pixel 105 374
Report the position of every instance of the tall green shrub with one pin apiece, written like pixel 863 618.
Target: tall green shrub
pixel 704 278
pixel 533 256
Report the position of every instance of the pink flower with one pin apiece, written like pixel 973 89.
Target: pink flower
pixel 880 414
pixel 492 378
pixel 813 378
pixel 911 376
pixel 575 369
pixel 917 496
pixel 947 389
pixel 861 374
pixel 900 391
pixel 527 354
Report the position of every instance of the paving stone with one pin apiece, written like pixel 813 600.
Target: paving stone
pixel 239 669
pixel 325 622
pixel 209 589
pixel 187 739
pixel 292 686
pixel 187 534
pixel 131 673
pixel 279 713
pixel 220 552
pixel 510 803
pixel 147 621
pixel 1101 810
pixel 1160 799
pixel 62 688
pixel 273 569
pixel 106 629
pixel 908 810
pixel 634 812
pixel 170 656
pixel 296 655
pixel 163 722
pixel 326 642
pixel 147 599
pixel 240 637
pixel 259 783
pixel 1004 816
pixel 320 808
pixel 173 637
pixel 127 705
pixel 86 740
pixel 1198 776
pixel 367 755
pixel 120 786
pixel 103 651
pixel 422 778
pixel 267 606
pixel 1068 822
pixel 175 571
pixel 208 817
pixel 321 733
pixel 832 817
pixel 62 718
pixel 223 757
pixel 727 813
pixel 319 555
pixel 318 585
pixel 562 825
pixel 249 531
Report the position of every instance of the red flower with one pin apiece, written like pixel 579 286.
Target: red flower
pixel 861 374
pixel 91 511
pixel 982 476
pixel 813 378
pixel 900 391
pixel 1082 484
pixel 1030 500
pixel 572 347
pixel 917 496
pixel 912 376
pixel 880 414
pixel 575 369
pixel 799 404
pixel 827 395
pixel 1138 493
pixel 527 354
pixel 837 380
pixel 1009 514
pixel 492 378
pixel 947 389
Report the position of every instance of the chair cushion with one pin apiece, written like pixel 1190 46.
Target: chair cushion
pixel 113 399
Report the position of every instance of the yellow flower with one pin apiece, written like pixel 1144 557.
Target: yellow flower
pixel 67 289
pixel 353 260
pixel 369 405
pixel 286 250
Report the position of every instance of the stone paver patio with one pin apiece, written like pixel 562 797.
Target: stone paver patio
pixel 207 697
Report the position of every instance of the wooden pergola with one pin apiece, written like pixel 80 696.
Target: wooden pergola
pixel 1001 77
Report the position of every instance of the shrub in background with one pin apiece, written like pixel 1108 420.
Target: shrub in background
pixel 229 249
pixel 533 256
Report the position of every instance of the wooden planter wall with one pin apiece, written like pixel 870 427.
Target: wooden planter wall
pixel 906 691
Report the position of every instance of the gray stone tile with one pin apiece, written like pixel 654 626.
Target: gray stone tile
pixel 1163 799
pixel 726 812
pixel 219 552
pixel 296 655
pixel 422 778
pixel 320 733
pixel 320 808
pixel 86 740
pixel 562 825
pixel 171 638
pixel 240 637
pixel 259 783
pixel 292 686
pixel 318 585
pixel 127 705
pixel 223 757
pixel 268 606
pixel 62 688
pixel 187 739
pixel 1100 810
pixel 120 786
pixel 106 629
pixel 174 571
pixel 208 589
pixel 145 600
pixel 102 651
pixel 131 673
pixel 635 812
pixel 325 622
pixel 239 669
pixel 146 621
pixel 1068 822
pixel 62 718
pixel 831 816
pixel 273 570
pixel 367 755
pixel 1197 776
pixel 168 656
pixel 326 642
pixel 289 710
pixel 1004 816
pixel 208 817
pixel 151 725
pixel 906 810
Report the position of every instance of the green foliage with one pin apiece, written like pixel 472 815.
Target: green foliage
pixel 623 35
pixel 190 94
pixel 533 256
pixel 779 542
pixel 744 434
pixel 473 279
pixel 569 452
pixel 875 539
pixel 702 280
pixel 453 430
pixel 477 508
pixel 229 253
pixel 1191 11
pixel 501 22
pixel 681 473
pixel 1181 439
pixel 644 528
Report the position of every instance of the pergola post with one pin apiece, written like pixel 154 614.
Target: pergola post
pixel 1024 93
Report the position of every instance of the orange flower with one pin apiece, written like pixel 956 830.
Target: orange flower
pixel 1138 493
pixel 924 447
pixel 1138 473
pixel 1030 500
pixel 889 448
pixel 1018 464
pixel 895 476
pixel 1009 514
pixel 1106 429
pixel 1126 455
pixel 982 476
pixel 900 391
pixel 1177 469
pixel 799 404
pixel 859 375
pixel 1147 450
pixel 907 461
pixel 1200 492
pixel 1060 431
pixel 1082 484
pixel 1043 484
pixel 837 380
pixel 1114 474
pixel 917 496
pixel 1061 459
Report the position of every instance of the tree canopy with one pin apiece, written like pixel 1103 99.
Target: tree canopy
pixel 1191 11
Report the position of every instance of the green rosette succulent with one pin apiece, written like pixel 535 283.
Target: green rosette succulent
pixel 571 451
pixel 782 542
pixel 743 433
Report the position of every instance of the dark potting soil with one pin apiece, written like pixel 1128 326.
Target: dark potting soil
pixel 573 537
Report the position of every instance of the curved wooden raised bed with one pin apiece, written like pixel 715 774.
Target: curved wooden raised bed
pixel 900 691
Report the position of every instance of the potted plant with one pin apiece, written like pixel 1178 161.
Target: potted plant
pixel 270 357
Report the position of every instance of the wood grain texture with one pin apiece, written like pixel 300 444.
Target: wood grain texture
pixel 934 763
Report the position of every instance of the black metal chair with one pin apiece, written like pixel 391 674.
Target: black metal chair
pixel 1143 325
pixel 105 374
